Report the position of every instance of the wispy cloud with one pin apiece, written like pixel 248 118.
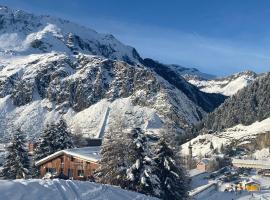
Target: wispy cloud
pixel 213 55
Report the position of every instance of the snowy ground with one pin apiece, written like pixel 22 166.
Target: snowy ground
pixel 239 134
pixel 63 190
pixel 219 194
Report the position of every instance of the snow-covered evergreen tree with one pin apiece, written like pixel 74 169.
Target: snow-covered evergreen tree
pixel 63 139
pixel 45 143
pixel 115 153
pixel 140 174
pixel 16 163
pixel 173 181
pixel 54 138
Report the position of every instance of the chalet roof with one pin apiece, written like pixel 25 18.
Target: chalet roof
pixel 85 153
pixel 204 161
pixel 253 183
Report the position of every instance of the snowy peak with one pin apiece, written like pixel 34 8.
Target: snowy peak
pixel 23 33
pixel 227 86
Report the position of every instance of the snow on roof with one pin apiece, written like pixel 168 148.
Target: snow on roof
pixel 205 161
pixel 253 183
pixel 86 153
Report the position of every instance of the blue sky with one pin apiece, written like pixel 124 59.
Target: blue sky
pixel 218 37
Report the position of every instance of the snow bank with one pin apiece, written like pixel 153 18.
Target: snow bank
pixel 63 190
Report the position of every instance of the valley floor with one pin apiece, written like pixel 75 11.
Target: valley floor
pixel 63 190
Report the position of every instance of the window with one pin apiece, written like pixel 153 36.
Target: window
pixel 80 173
pixel 72 159
pixel 51 170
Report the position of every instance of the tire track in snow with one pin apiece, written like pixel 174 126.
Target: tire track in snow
pixel 74 189
pixel 96 192
pixel 60 189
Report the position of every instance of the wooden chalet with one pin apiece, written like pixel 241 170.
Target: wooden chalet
pixel 77 164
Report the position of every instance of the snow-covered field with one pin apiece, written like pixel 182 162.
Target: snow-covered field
pixel 63 190
pixel 240 133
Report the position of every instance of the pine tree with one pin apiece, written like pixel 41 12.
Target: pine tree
pixel 114 153
pixel 55 137
pixel 16 163
pixel 45 142
pixel 173 180
pixel 141 175
pixel 63 139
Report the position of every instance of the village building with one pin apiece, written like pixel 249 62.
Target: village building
pixel 203 165
pixel 251 164
pixel 77 164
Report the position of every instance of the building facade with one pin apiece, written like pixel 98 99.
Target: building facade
pixel 203 165
pixel 77 164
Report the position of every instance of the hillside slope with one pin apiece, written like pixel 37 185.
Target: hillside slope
pixel 245 107
pixel 252 138
pixel 205 100
pixel 39 88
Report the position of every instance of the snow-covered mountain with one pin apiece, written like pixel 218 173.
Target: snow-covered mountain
pixel 227 86
pixel 241 121
pixel 22 33
pixel 38 88
pixel 50 67
pixel 249 105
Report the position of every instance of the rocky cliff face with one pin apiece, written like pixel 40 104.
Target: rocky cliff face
pixel 76 83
